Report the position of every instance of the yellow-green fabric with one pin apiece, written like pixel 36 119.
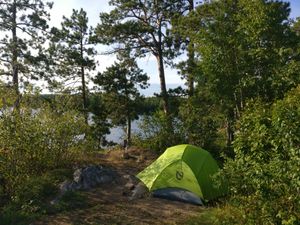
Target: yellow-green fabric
pixel 188 181
pixel 183 166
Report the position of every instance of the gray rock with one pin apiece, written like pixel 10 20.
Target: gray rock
pixel 130 186
pixel 65 186
pixel 87 178
pixel 131 179
pixel 140 191
pixel 91 176
pixel 131 182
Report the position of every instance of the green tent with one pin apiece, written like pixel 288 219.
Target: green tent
pixel 183 167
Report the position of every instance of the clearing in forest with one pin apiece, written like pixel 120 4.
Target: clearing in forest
pixel 110 204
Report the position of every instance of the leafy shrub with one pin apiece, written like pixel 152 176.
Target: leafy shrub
pixel 159 132
pixel 31 198
pixel 196 123
pixel 200 123
pixel 33 141
pixel 264 175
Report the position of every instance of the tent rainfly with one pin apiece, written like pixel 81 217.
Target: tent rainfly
pixel 183 168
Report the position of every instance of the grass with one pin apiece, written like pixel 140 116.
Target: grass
pixel 32 198
pixel 206 217
pixel 71 201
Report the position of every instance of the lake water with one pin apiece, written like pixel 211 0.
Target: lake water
pixel 118 134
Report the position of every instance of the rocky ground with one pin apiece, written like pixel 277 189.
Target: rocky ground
pixel 110 203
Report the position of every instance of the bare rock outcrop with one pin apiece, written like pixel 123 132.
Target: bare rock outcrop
pixel 87 178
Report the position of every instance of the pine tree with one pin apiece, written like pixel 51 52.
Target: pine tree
pixel 72 52
pixel 143 27
pixel 186 67
pixel 23 24
pixel 120 84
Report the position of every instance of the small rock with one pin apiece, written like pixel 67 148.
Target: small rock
pixel 131 179
pixel 87 178
pixel 130 186
pixel 139 192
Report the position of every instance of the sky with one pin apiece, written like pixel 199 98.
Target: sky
pixel 148 64
pixel 295 7
pixel 93 8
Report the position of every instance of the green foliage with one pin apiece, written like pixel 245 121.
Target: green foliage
pixel 148 106
pixel 31 198
pixel 246 45
pixel 155 133
pixel 142 28
pixel 9 216
pixel 264 176
pixel 247 49
pixel 70 201
pixel 120 84
pixel 36 140
pixel 100 126
pixel 70 47
pixel 296 26
pixel 72 56
pixel 216 216
pixel 195 120
pixel 200 122
pixel 131 25
pixel 37 143
pixel 7 97
pixel 23 25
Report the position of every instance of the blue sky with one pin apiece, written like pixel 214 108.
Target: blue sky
pixel 94 7
pixel 295 7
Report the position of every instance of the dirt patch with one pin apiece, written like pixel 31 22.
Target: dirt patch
pixel 109 204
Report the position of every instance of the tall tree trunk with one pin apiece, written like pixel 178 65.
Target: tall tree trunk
pixel 161 70
pixel 230 133
pixel 163 87
pixel 84 99
pixel 128 130
pixel 14 62
pixel 191 66
pixel 229 127
pixel 191 60
pixel 84 94
pixel 164 92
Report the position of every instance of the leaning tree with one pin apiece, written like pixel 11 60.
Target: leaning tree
pixel 143 27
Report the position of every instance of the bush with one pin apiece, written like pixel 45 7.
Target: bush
pixel 200 123
pixel 36 140
pixel 264 175
pixel 30 199
pixel 159 132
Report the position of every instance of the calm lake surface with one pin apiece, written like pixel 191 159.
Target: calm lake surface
pixel 117 134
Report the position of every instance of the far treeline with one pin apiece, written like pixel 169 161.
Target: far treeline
pixel 241 101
